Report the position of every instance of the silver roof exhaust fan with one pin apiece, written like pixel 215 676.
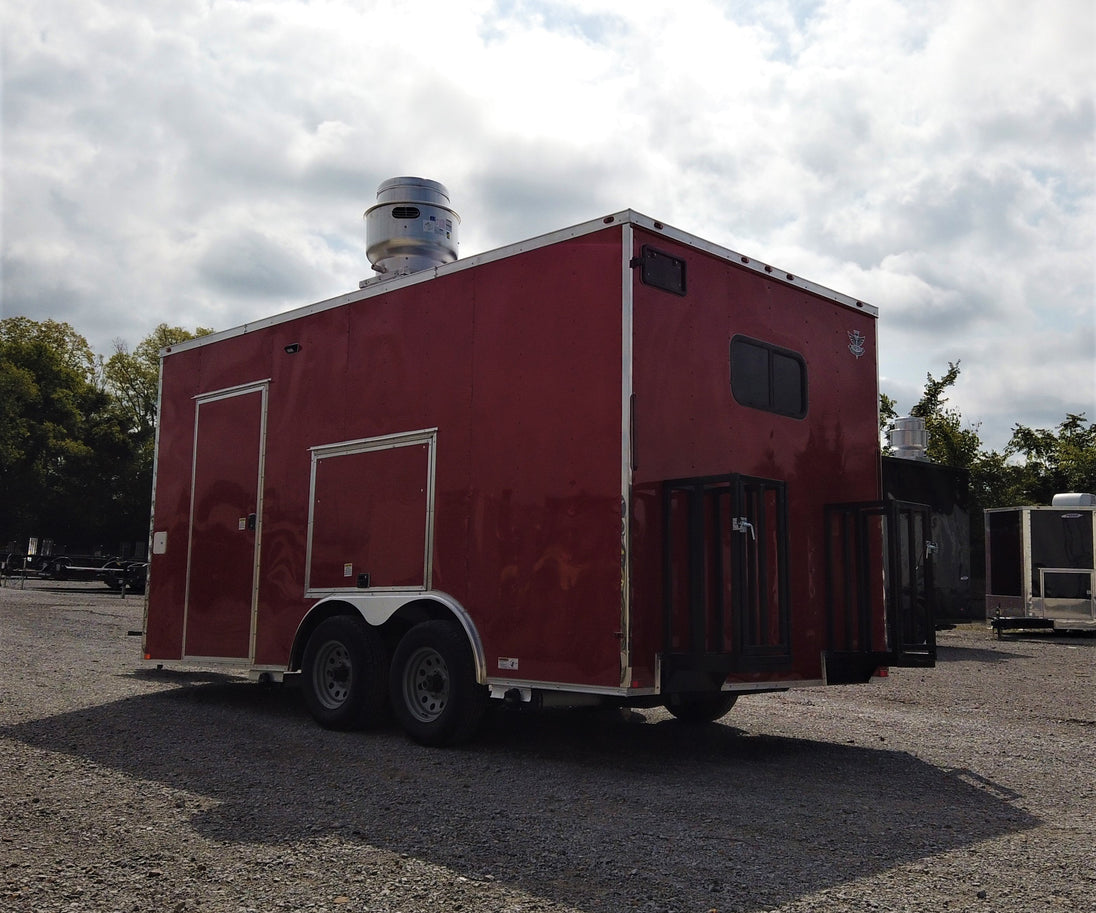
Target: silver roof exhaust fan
pixel 411 227
pixel 910 438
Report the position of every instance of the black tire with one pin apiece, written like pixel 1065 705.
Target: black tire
pixel 345 674
pixel 435 696
pixel 701 708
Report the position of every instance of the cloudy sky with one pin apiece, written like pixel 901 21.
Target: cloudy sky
pixel 207 162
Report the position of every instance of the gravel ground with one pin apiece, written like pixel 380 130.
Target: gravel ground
pixel 966 787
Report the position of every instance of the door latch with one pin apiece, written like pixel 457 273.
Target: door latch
pixel 742 525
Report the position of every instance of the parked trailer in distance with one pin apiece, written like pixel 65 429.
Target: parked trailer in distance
pixel 1041 565
pixel 612 464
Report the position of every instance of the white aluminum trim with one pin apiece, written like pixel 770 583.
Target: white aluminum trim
pixel 152 506
pixel 623 217
pixel 261 387
pixel 187 664
pixel 1025 554
pixel 734 687
pixel 325 592
pixel 380 442
pixel 260 485
pixel 424 436
pixel 374 288
pixel 1056 611
pixel 627 278
pixel 229 392
pixel 608 690
pixel 767 270
pixel 1066 570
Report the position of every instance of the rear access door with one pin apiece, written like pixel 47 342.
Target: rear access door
pixel 725 580
pixel 879 589
pixel 225 524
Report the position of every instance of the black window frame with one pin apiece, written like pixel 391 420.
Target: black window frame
pixel 749 393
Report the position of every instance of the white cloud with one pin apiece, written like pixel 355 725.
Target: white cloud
pixel 209 162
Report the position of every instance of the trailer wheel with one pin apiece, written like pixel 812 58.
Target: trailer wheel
pixel 433 685
pixel 701 708
pixel 345 680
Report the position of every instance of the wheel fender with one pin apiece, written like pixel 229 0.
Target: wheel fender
pixel 378 608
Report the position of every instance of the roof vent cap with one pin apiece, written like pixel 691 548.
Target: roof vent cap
pixel 1073 499
pixel 909 438
pixel 411 227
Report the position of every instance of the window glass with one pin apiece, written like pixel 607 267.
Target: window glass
pixel 788 388
pixel 766 377
pixel 750 374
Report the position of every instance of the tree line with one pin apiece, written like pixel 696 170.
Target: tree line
pixel 77 433
pixel 1034 465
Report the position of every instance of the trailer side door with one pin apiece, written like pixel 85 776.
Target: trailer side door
pixel 225 523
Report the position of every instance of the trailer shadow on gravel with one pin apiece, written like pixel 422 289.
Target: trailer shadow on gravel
pixel 587 809
pixel 965 654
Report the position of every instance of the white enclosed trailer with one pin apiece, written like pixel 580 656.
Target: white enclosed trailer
pixel 1041 565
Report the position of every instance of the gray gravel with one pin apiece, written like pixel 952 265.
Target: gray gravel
pixel 966 787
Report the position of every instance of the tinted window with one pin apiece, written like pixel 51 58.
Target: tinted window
pixel 766 377
pixel 789 390
pixel 750 374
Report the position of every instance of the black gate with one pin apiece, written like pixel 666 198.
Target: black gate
pixel 725 579
pixel 879 588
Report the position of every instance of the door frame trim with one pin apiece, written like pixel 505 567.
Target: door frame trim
pixel 425 437
pixel 261 387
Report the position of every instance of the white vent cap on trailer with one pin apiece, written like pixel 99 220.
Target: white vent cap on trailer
pixel 1073 499
pixel 411 227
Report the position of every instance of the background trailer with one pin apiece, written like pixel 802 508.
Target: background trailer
pixel 1041 565
pixel 613 463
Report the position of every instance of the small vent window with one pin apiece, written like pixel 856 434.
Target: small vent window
pixel 405 212
pixel 767 377
pixel 661 270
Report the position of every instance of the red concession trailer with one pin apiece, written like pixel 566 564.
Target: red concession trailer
pixel 614 464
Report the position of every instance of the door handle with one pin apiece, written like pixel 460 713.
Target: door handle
pixel 742 525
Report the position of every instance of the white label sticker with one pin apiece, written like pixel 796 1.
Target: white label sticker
pixel 348 570
pixel 508 663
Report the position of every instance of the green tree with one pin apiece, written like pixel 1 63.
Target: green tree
pixel 950 444
pixel 1055 461
pixel 62 444
pixel 134 377
pixel 1035 465
pixel 888 413
pixel 76 435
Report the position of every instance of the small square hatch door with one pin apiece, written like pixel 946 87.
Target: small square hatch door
pixel 371 514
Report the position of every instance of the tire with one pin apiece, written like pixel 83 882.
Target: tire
pixel 435 696
pixel 345 674
pixel 701 708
